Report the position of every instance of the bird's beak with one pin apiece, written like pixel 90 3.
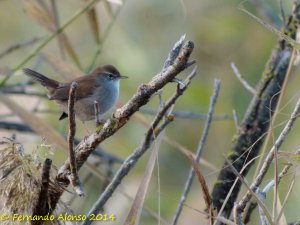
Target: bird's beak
pixel 123 77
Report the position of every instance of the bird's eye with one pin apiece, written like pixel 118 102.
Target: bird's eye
pixel 110 76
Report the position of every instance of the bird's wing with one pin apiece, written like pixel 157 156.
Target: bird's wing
pixel 85 88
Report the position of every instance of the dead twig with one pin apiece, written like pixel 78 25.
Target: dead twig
pixel 73 175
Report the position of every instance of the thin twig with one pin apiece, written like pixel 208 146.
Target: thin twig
pixel 73 176
pixel 200 148
pixel 262 196
pixel 242 80
pixel 129 163
pixel 189 115
pixel 40 208
pixel 225 220
pixel 191 62
pixel 269 158
pixel 235 119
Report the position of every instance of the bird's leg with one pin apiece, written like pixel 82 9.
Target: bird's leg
pixel 101 121
pixel 86 131
pixel 98 118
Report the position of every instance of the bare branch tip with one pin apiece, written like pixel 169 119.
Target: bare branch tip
pixel 190 63
pixel 79 191
pixel 194 69
pixel 48 161
pixel 189 44
pixel 182 38
pixel 193 73
pixel 217 83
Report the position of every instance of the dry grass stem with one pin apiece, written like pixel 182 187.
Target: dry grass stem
pixel 18 197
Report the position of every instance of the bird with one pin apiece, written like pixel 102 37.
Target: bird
pixel 101 85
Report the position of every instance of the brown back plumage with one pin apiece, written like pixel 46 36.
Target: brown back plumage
pixel 84 89
pixel 60 91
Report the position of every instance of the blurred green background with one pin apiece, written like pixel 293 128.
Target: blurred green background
pixel 138 43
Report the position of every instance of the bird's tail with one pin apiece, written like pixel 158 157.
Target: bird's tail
pixel 43 80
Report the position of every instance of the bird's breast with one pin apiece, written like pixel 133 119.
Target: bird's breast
pixel 107 96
